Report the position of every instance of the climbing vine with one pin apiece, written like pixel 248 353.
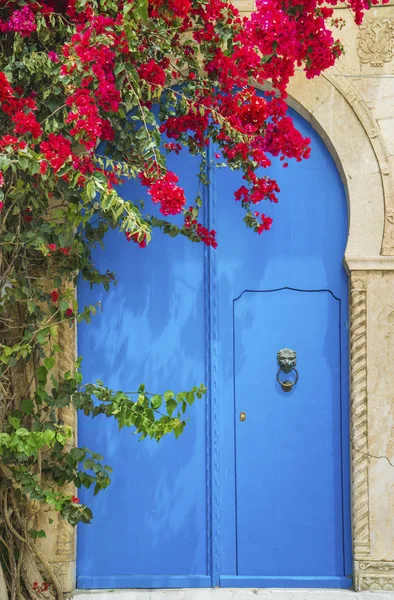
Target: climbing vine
pixel 143 78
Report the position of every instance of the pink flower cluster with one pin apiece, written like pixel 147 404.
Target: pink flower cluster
pixel 200 232
pixel 21 21
pixel 20 110
pixel 170 196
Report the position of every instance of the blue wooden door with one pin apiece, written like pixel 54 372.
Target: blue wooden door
pixel 259 502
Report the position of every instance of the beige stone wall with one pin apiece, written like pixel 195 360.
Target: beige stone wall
pixel 60 544
pixel 352 108
pixel 372 431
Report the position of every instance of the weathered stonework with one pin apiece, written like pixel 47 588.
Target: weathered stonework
pixel 352 109
pixel 375 575
pixel 359 416
pixel 60 544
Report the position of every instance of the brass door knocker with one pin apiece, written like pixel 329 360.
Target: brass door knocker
pixel 287 360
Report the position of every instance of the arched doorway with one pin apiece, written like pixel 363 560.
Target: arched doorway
pixel 262 501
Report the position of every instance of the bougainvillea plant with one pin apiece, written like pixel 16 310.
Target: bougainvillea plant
pixel 131 74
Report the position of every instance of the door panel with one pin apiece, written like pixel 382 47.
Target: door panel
pixel 302 251
pixel 150 525
pixel 288 450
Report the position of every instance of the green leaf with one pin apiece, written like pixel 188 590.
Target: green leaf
pixel 156 401
pixel 23 161
pixel 88 464
pixel 42 375
pixel 141 10
pixel 189 397
pixel 49 436
pixel 34 533
pixel 90 190
pixel 49 362
pixel 171 405
pixel 27 406
pixel 178 430
pixel 14 422
pixel 78 454
pixel 31 306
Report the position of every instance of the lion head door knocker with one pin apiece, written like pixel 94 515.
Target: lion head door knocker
pixel 287 360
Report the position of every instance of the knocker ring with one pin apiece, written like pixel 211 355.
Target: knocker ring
pixel 287 385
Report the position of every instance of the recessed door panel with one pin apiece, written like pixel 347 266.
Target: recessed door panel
pixel 288 448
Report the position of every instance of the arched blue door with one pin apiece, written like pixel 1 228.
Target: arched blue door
pixel 257 502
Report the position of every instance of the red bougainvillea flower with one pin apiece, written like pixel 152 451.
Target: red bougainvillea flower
pixel 44 587
pixel 266 222
pixel 134 237
pixel 53 57
pixel 21 21
pixel 1 179
pixel 55 296
pixel 207 237
pixel 202 233
pixel 75 500
pixel 1 205
pixel 69 313
pixel 27 215
pixel 170 196
pixel 26 123
pixel 57 150
pixel 52 247
pixel 152 73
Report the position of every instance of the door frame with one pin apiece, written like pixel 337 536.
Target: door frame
pixel 369 252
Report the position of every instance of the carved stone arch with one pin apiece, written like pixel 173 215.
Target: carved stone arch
pixel 347 128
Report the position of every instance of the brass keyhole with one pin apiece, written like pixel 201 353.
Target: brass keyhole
pixel 242 416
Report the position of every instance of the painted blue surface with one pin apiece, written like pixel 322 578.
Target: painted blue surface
pixel 286 582
pixel 288 451
pixel 264 503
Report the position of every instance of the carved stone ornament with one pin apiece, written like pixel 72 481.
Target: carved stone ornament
pixel 375 42
pixel 359 416
pixel 388 237
pixel 390 215
pixel 374 575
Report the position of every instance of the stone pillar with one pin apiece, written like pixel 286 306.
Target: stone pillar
pixel 372 421
pixel 60 544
